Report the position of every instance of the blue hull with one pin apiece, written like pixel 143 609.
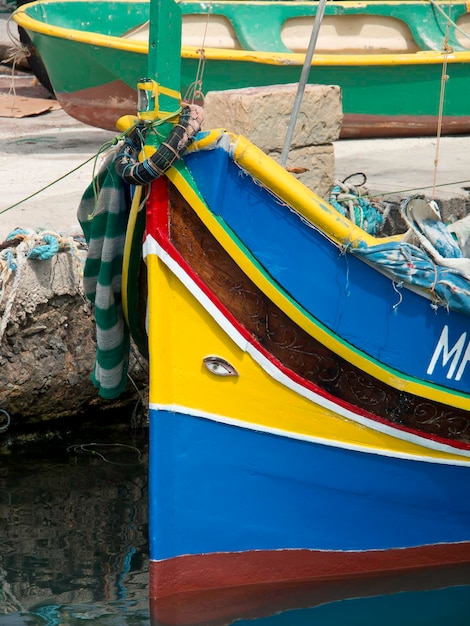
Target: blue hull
pixel 260 491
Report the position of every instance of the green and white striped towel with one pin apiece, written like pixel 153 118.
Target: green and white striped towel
pixel 103 217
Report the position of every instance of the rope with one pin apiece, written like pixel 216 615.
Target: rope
pixel 18 273
pixel 350 201
pixel 26 245
pixel 444 79
pixel 414 189
pixel 141 173
pixel 195 88
pixel 35 193
pixel 448 18
pixel 94 157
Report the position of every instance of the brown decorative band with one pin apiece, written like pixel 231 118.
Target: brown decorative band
pixel 294 348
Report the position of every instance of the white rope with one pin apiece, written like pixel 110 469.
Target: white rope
pixel 448 18
pixel 444 79
pixel 196 86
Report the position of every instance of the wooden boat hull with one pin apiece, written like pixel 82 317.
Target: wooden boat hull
pixel 298 437
pixel 314 461
pixel 394 94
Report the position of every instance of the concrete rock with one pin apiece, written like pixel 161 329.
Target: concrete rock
pixel 314 166
pixel 262 114
pixel 47 339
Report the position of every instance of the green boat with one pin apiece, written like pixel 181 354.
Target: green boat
pixel 403 67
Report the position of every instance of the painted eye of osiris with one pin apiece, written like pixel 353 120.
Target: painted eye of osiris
pixel 219 366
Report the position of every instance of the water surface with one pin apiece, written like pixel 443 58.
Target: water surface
pixel 74 550
pixel 73 531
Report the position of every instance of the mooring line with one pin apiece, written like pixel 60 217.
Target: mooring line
pixel 103 148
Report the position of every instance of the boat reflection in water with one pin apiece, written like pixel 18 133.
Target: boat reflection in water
pixel 427 599
pixel 446 606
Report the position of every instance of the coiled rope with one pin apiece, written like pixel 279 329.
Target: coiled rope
pixel 351 201
pixel 45 244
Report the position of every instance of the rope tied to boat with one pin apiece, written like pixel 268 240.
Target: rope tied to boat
pixel 448 18
pixel 134 172
pixel 447 50
pixel 351 202
pixel 194 91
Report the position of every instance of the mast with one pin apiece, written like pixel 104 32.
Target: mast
pixel 158 108
pixel 303 81
pixel 159 91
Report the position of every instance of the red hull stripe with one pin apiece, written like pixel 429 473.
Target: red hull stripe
pixel 257 583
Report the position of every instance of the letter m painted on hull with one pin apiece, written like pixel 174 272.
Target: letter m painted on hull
pixel 453 355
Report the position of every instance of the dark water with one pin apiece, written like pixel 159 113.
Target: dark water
pixel 73 546
pixel 73 531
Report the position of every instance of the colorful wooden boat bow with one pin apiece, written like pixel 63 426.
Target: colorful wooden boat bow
pixel 309 382
pixel 307 420
pixel 387 57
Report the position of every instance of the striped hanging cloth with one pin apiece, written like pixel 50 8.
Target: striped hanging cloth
pixel 103 217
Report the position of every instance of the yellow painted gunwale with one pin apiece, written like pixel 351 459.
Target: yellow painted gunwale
pixel 424 57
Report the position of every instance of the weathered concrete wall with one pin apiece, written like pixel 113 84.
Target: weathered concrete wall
pixel 262 114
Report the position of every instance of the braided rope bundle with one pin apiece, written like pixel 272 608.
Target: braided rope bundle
pixel 141 173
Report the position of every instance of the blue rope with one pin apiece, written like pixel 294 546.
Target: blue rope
pixel 16 232
pixel 365 214
pixel 9 257
pixel 42 251
pixel 47 250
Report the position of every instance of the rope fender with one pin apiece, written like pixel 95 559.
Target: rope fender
pixel 134 172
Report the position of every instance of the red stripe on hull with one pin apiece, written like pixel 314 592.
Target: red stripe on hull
pixel 357 126
pixel 100 106
pixel 103 105
pixel 214 589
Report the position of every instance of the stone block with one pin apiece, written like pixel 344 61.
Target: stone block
pixel 314 166
pixel 262 114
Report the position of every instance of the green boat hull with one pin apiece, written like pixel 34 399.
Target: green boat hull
pixel 94 71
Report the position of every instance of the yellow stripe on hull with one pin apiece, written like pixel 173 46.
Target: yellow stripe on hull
pixel 182 333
